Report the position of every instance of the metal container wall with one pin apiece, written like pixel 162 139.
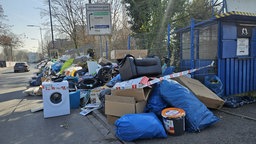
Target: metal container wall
pixel 237 73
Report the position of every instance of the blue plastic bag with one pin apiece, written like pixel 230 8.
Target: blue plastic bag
pixel 56 66
pixel 214 84
pixel 168 70
pixel 139 126
pixel 114 80
pixel 198 116
pixel 155 102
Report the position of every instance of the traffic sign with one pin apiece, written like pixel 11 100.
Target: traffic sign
pixel 98 19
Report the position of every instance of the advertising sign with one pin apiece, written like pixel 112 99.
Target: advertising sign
pixel 98 19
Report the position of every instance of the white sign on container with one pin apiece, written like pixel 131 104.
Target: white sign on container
pixel 98 19
pixel 242 47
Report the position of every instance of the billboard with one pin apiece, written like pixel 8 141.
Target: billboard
pixel 241 5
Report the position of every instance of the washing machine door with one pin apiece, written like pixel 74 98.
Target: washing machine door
pixel 56 98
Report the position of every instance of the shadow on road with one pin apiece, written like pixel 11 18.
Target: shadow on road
pixel 7 72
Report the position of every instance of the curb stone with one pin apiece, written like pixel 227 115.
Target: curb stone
pixel 111 128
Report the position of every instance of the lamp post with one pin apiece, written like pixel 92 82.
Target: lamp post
pixel 40 35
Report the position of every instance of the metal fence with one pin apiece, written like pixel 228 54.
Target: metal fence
pixel 201 51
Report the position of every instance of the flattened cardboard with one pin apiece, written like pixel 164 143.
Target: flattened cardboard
pixel 205 95
pixel 140 94
pixel 120 54
pixel 120 105
pixel 140 106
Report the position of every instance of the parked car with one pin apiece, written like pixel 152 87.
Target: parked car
pixel 21 67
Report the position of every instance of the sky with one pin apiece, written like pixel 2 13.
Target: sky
pixel 21 13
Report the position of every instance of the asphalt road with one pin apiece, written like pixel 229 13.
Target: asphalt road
pixel 231 129
pixel 19 126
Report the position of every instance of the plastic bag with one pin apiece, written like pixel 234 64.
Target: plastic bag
pixel 214 84
pixel 237 101
pixel 67 64
pixel 167 70
pixel 139 126
pixel 114 80
pixel 155 102
pixel 56 67
pixel 197 115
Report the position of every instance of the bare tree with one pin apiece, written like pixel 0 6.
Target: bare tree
pixel 8 40
pixel 3 27
pixel 21 55
pixel 70 18
pixel 120 29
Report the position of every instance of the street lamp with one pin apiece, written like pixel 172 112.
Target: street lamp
pixel 40 34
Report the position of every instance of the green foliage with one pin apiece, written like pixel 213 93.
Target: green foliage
pixel 149 20
pixel 200 9
pixel 139 12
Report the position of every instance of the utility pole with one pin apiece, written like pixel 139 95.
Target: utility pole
pixel 51 26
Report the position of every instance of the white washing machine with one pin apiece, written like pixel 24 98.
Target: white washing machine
pixel 55 98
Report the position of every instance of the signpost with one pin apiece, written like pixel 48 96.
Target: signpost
pixel 98 19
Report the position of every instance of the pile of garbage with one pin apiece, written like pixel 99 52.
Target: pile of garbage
pixel 81 73
pixel 137 95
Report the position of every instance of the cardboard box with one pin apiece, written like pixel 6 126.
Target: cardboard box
pixel 121 105
pixel 120 54
pixel 112 119
pixel 205 95
pixel 140 94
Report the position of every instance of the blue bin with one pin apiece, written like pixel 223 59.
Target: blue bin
pixel 74 99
